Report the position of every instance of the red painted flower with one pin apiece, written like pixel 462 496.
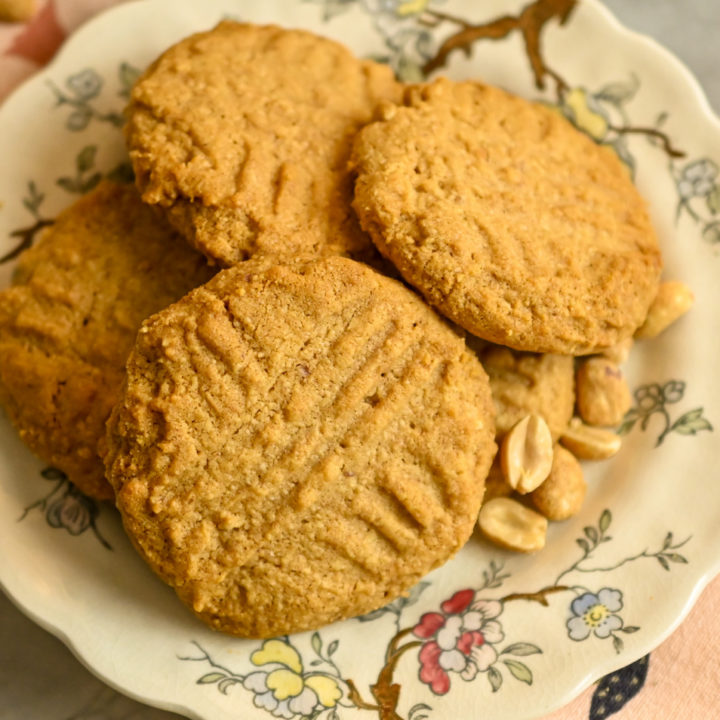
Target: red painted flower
pixel 460 639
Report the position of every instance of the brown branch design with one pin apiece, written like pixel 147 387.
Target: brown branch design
pixel 385 691
pixel 27 237
pixel 529 23
pixel 540 596
pixel 664 140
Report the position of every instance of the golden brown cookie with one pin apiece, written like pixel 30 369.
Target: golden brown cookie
pixel 69 321
pixel 246 130
pixel 16 10
pixel 530 384
pixel 513 223
pixel 298 444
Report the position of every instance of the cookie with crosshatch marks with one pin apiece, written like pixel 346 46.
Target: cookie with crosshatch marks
pixel 298 443
pixel 507 219
pixel 69 320
pixel 241 135
pixel 530 384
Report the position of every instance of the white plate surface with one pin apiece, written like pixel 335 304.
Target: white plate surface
pixel 611 584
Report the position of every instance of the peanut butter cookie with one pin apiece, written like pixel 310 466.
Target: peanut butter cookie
pixel 69 321
pixel 509 220
pixel 298 443
pixel 242 136
pixel 530 384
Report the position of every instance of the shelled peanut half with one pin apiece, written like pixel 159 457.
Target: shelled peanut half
pixel 554 412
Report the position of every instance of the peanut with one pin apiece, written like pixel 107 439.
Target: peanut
pixel 511 525
pixel 673 300
pixel 619 352
pixel 603 396
pixel 526 454
pixel 561 495
pixel 16 10
pixel 590 443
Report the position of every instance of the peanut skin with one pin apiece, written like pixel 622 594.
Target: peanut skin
pixel 561 495
pixel 603 396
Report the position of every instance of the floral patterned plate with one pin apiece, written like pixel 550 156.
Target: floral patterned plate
pixel 490 634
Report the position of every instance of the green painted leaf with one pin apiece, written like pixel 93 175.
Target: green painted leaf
pixel 316 662
pixel 668 541
pixel 332 647
pixel 415 592
pixel 127 75
pixel 409 71
pixel 521 648
pixel 78 120
pixel 618 644
pixel 86 158
pixel 691 422
pixel 121 173
pixel 591 533
pixel 663 561
pixel 627 425
pixel 630 629
pixel 418 707
pixel 619 93
pixel 676 558
pixel 605 520
pixel 210 678
pixel 226 684
pixel 68 184
pixel 51 473
pixel 520 671
pixel 711 233
pixel 115 118
pixel 495 677
pixel 316 643
pixel 88 184
pixel 713 200
pixel 373 615
pixel 584 544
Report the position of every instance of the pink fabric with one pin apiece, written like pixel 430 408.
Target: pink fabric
pixel 683 676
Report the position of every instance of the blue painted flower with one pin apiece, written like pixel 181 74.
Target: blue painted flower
pixel 86 84
pixel 697 179
pixel 594 614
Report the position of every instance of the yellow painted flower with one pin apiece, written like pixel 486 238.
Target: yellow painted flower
pixel 584 115
pixel 411 7
pixel 283 688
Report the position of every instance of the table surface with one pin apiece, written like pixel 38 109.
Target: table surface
pixel 39 677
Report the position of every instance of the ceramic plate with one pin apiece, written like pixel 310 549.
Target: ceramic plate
pixel 491 634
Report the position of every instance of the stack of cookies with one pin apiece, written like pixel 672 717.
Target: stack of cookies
pixel 270 352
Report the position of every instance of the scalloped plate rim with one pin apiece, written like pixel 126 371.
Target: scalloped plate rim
pixel 28 605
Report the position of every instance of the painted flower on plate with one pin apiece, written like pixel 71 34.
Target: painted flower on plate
pixel 86 84
pixel 584 112
pixel 73 511
pixel 460 639
pixel 697 179
pixel 594 613
pixel 283 688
